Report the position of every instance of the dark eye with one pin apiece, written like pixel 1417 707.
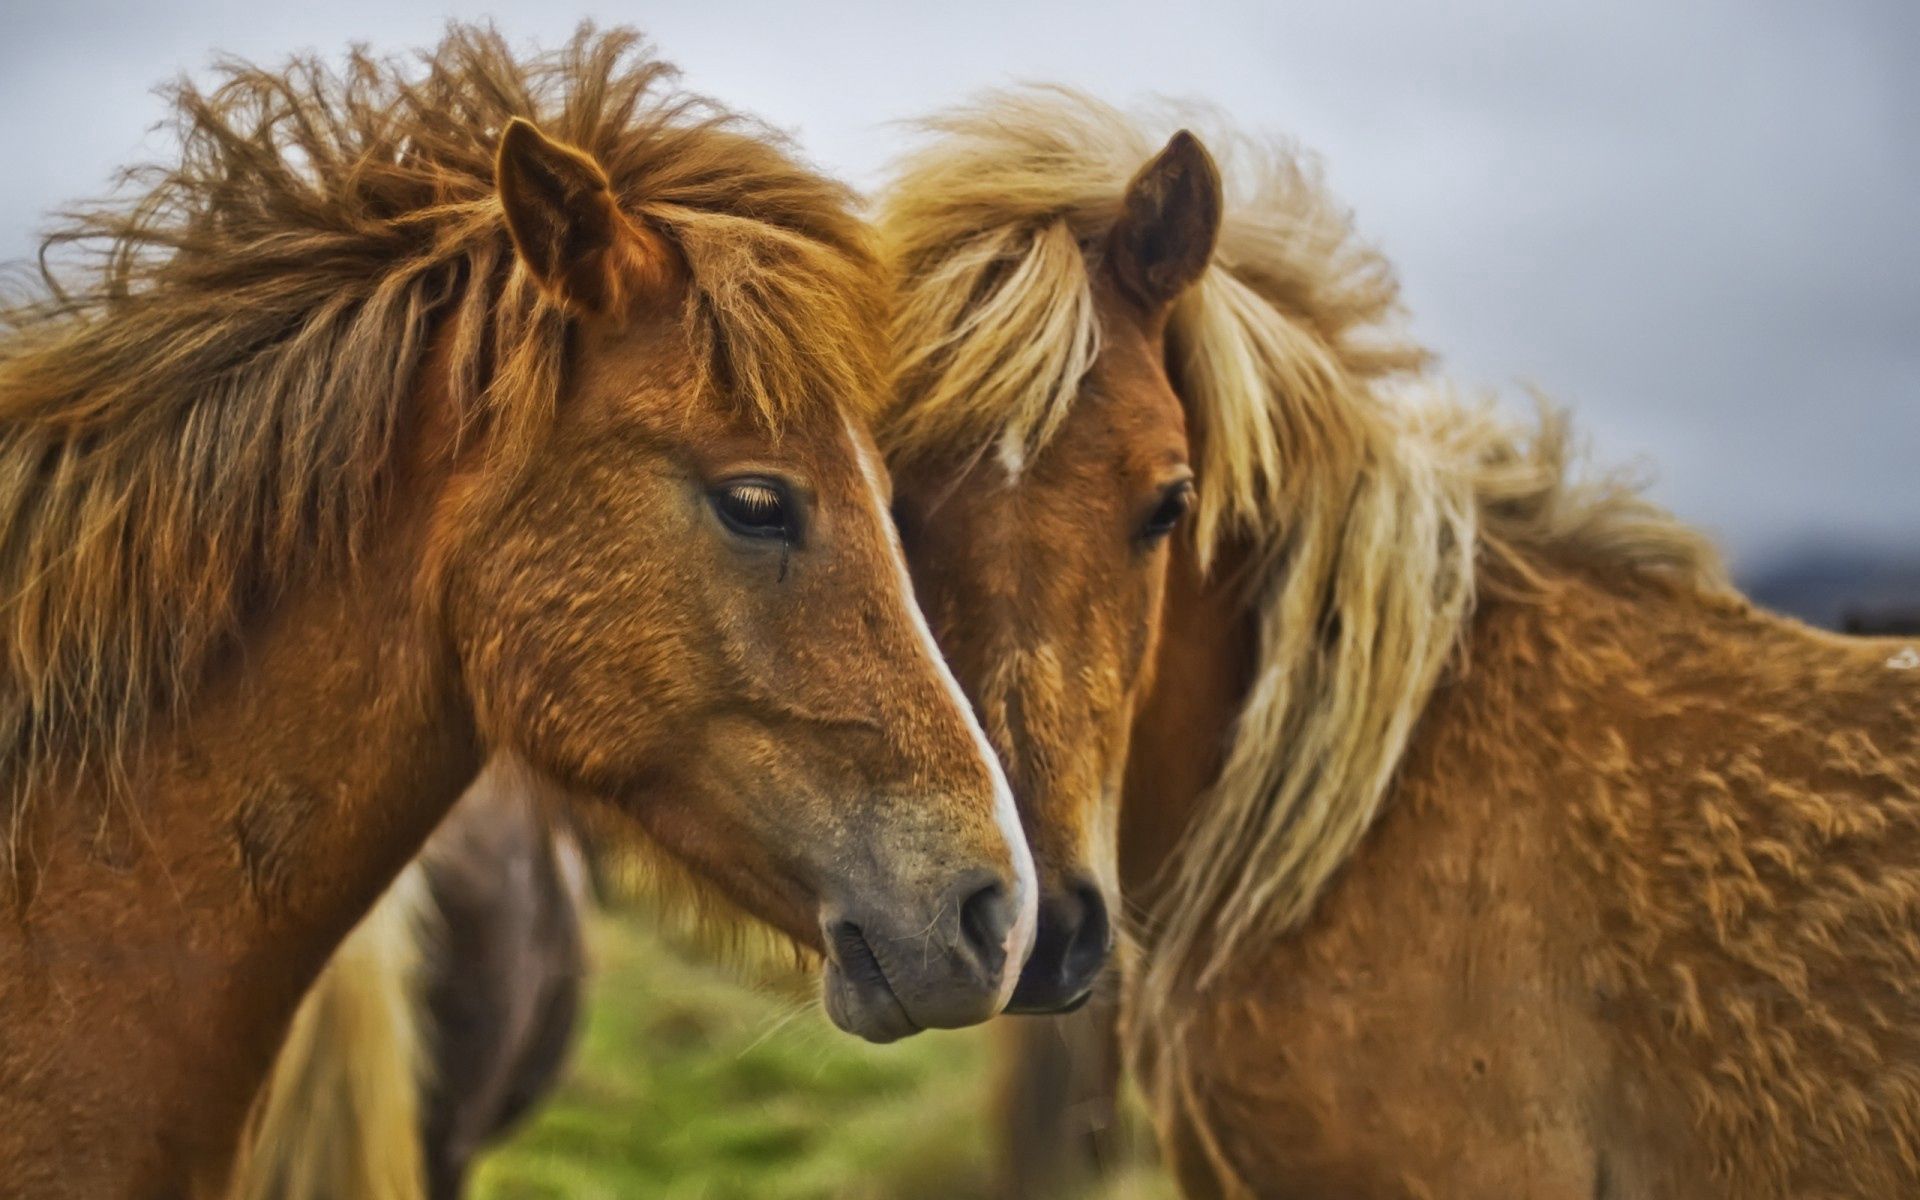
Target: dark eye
pixel 1173 505
pixel 755 508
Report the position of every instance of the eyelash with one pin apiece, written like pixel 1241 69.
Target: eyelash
pixel 756 508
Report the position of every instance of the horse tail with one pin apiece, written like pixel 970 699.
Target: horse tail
pixel 340 1114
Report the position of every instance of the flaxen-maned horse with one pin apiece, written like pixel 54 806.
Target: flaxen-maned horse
pixel 385 434
pixel 1478 838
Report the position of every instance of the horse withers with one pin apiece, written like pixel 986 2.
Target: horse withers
pixel 394 431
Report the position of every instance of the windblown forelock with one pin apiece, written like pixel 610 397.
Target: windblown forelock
pixel 200 402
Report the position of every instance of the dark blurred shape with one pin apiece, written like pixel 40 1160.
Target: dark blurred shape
pixel 1056 1102
pixel 1883 624
pixel 1854 588
pixel 512 879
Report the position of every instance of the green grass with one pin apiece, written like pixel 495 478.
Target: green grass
pixel 692 1082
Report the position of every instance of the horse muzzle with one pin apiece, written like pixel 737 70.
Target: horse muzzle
pixel 894 969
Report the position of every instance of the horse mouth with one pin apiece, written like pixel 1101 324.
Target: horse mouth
pixel 858 996
pixel 1026 1007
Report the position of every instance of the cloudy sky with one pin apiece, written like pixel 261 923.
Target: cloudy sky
pixel 1695 223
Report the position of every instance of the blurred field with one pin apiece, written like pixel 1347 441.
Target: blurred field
pixel 690 1082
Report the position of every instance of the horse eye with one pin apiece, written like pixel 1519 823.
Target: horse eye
pixel 754 508
pixel 1174 503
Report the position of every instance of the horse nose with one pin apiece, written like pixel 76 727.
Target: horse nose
pixel 1075 938
pixel 896 968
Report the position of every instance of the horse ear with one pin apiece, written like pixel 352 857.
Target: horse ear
pixel 566 224
pixel 1168 223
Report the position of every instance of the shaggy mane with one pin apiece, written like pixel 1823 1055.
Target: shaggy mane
pixel 202 402
pixel 1370 497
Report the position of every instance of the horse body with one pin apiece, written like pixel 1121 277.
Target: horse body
pixel 340 1114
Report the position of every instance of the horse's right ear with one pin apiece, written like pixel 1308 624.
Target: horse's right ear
pixel 566 224
pixel 1168 223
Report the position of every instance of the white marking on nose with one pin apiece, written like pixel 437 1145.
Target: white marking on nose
pixel 1019 943
pixel 1907 660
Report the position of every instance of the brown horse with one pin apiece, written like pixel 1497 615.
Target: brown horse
pixel 1480 841
pixel 387 434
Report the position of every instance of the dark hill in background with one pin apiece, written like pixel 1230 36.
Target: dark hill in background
pixel 1863 588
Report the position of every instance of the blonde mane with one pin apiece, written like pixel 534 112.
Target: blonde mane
pixel 1369 497
pixel 202 404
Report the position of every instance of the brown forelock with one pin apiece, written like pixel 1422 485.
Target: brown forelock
pixel 200 401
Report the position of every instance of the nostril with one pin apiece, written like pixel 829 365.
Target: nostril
pixel 986 917
pixel 1087 948
pixel 1076 935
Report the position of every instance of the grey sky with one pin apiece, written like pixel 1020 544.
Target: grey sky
pixel 1694 223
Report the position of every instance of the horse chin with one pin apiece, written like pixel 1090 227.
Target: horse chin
pixel 863 1004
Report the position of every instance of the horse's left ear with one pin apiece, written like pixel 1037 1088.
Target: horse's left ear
pixel 1168 223
pixel 567 226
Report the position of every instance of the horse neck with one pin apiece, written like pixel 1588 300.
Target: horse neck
pixel 163 947
pixel 1203 667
